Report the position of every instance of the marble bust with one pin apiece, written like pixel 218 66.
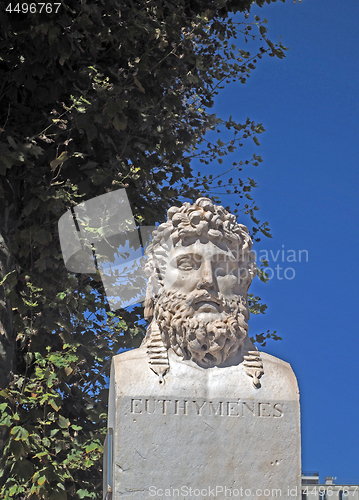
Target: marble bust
pixel 197 405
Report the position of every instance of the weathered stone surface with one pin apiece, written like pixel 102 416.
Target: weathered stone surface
pixel 197 410
pixel 204 428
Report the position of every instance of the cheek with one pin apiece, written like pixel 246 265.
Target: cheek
pixel 228 285
pixel 183 282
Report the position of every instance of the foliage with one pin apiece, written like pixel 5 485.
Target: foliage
pixel 102 95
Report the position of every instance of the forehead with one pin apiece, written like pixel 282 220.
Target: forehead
pixel 207 249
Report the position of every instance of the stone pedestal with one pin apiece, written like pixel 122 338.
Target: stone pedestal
pixel 203 433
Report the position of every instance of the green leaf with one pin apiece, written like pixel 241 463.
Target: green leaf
pixel 11 142
pixel 83 494
pixel 19 433
pixel 120 122
pixel 63 422
pixel 11 279
pixel 6 421
pixel 58 447
pixel 76 427
pixel 255 139
pixel 259 128
pixel 13 490
pixel 91 447
pixel 41 480
pixel 59 160
pixel 54 404
pixel 139 85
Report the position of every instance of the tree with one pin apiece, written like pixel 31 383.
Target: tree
pixel 95 96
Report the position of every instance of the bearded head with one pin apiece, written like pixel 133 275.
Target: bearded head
pixel 200 266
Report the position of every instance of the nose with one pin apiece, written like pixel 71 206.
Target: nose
pixel 207 277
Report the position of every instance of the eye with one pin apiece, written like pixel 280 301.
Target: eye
pixel 188 263
pixel 225 268
pixel 220 270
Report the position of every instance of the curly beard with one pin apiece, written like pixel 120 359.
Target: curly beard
pixel 207 343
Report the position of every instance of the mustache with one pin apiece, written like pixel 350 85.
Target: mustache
pixel 203 297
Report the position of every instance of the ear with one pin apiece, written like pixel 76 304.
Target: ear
pixel 149 309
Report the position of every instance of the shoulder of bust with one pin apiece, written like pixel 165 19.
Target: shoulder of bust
pixel 269 359
pixel 278 373
pixel 131 355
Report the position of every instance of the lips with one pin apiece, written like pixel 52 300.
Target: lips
pixel 207 307
pixel 206 300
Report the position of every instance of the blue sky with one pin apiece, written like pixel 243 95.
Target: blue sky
pixel 308 192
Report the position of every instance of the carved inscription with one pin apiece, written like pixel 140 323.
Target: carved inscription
pixel 207 408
